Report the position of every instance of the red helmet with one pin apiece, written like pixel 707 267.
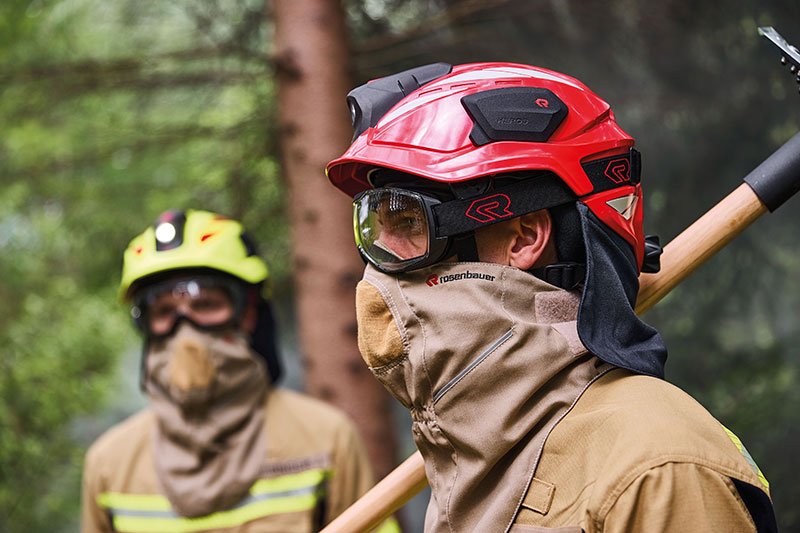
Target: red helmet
pixel 454 124
pixel 468 127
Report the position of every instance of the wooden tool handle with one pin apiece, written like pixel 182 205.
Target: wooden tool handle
pixel 697 243
pixel 391 493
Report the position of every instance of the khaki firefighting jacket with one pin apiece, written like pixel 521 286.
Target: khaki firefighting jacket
pixel 314 467
pixel 638 454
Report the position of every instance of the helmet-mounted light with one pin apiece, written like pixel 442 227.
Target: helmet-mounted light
pixel 169 229
pixel 371 101
pixel 165 232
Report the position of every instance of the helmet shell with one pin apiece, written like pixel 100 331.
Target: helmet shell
pixel 208 241
pixel 427 133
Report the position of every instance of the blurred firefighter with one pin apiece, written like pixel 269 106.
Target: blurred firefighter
pixel 219 447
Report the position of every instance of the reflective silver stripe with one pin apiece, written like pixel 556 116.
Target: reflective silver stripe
pixel 473 364
pixel 116 511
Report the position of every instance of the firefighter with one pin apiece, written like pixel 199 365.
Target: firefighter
pixel 499 210
pixel 219 447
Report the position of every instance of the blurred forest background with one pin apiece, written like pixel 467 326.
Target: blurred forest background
pixel 112 111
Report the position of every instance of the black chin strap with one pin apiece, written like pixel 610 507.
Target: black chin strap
pixel 143 366
pixel 466 247
pixel 566 275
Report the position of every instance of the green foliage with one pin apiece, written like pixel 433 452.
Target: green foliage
pixel 112 112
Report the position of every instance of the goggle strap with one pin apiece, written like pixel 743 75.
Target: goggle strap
pixel 520 198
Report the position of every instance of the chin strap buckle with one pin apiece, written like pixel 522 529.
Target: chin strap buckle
pixel 566 275
pixel 652 254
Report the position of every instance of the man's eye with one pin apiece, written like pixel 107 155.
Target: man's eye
pixel 208 304
pixel 159 311
pixel 402 222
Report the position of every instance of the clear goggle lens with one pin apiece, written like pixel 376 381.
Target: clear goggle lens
pixel 391 227
pixel 207 303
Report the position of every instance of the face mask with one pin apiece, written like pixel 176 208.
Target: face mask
pixel 487 359
pixel 207 391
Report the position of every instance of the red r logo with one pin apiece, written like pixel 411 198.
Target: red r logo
pixel 618 170
pixel 490 208
pixel 432 280
pixel 541 102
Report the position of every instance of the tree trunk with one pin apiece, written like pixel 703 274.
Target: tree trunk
pixel 313 73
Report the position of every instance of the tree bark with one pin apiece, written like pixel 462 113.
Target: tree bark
pixel 313 73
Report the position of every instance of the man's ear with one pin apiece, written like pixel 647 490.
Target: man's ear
pixel 532 244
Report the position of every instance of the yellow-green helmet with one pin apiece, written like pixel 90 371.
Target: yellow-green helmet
pixel 191 239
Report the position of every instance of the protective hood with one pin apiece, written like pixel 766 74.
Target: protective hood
pixel 607 323
pixel 488 360
pixel 207 391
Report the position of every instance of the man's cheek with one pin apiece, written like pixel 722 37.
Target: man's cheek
pixel 378 337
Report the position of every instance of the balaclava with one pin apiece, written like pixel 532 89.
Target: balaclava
pixel 487 358
pixel 207 390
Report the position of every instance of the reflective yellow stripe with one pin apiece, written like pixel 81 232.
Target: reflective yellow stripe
pixel 153 513
pixel 389 525
pixel 223 519
pixel 747 456
pixel 134 502
pixel 309 478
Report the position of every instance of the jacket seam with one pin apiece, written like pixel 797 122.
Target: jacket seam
pixel 538 456
pixel 625 483
pixel 430 409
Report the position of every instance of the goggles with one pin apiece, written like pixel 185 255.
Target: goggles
pixel 398 230
pixel 208 302
pixel 393 229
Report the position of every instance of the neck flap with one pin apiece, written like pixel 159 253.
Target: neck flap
pixel 607 323
pixel 487 359
pixel 207 392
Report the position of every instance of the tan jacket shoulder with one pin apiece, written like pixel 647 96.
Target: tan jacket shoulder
pixel 316 426
pixel 294 419
pixel 125 438
pixel 111 461
pixel 636 453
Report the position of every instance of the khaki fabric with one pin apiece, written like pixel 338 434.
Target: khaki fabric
pixel 205 390
pixel 303 434
pixel 638 454
pixel 487 362
pixel 378 336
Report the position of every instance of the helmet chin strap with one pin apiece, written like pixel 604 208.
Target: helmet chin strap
pixel 570 270
pixel 466 248
pixel 565 275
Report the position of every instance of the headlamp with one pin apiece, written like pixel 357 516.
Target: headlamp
pixel 165 232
